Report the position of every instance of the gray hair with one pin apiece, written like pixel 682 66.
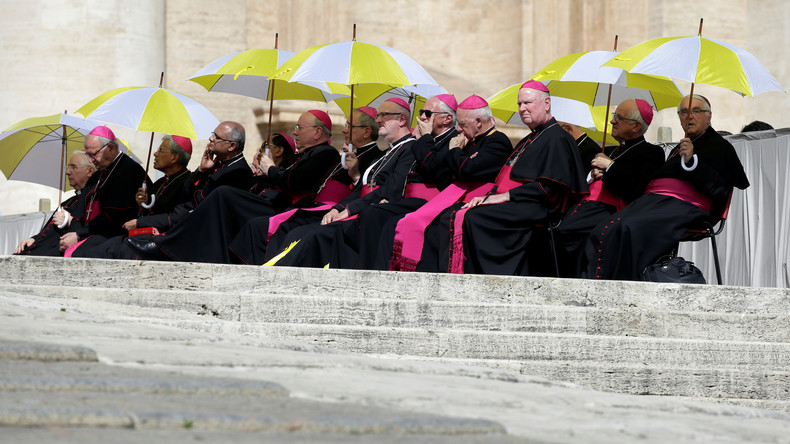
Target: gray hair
pixel 369 122
pixel 323 127
pixel 446 109
pixel 237 135
pixel 635 115
pixel 84 159
pixel 107 141
pixel 183 156
pixel 703 100
pixel 484 113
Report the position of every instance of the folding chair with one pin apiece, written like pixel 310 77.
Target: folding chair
pixel 709 229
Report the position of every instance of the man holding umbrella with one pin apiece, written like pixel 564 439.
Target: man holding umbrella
pixel 693 185
pixel 109 200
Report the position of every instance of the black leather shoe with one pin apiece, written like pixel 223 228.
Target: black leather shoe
pixel 146 248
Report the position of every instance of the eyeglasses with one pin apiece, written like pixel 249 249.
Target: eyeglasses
pixel 301 127
pixel 695 111
pixel 215 137
pixel 428 113
pixel 617 117
pixel 383 115
pixel 96 154
pixel 349 125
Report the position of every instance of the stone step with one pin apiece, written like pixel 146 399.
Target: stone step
pixel 393 285
pixel 416 313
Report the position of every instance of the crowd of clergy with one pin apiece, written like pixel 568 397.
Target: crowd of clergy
pixel 449 195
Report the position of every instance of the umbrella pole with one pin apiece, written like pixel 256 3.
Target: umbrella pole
pixel 351 101
pixel 606 111
pixel 691 94
pixel 61 185
pixel 271 95
pixel 148 159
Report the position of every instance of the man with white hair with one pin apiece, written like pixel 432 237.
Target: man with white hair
pixel 46 242
pixel 618 176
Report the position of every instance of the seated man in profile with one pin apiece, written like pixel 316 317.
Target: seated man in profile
pixel 617 177
pixel 45 243
pixel 694 184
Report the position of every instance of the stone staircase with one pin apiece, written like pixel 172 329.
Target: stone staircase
pixel 722 344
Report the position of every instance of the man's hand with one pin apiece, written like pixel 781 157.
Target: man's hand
pixel 59 217
pixel 458 141
pixel 24 244
pixel 334 215
pixel 423 127
pixel 207 161
pixel 130 225
pixel 256 163
pixel 67 240
pixel 686 149
pixel 602 162
pixel 264 163
pixel 488 200
pixel 596 174
pixel 141 197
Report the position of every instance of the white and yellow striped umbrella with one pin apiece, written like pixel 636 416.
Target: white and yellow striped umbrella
pixel 157 110
pixel 697 59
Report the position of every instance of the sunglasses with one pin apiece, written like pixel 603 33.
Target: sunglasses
pixel 428 113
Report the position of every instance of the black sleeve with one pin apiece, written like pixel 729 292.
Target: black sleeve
pixel 392 182
pixel 628 177
pixel 482 165
pixel 306 176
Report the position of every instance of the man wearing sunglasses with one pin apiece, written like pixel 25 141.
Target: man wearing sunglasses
pixel 619 175
pixel 691 186
pixel 108 199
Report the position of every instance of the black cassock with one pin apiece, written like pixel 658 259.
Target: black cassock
pixel 204 235
pixel 252 241
pixel 496 238
pixel 478 161
pixel 621 246
pixel 47 241
pixel 635 161
pixel 337 244
pixel 106 203
pixel 588 149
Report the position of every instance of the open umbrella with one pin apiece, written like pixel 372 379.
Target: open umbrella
pixel 158 110
pixel 247 73
pixel 35 149
pixel 374 94
pixel 354 63
pixel 698 60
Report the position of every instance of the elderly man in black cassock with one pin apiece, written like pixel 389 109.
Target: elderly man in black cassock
pixel 46 242
pixel 492 233
pixel 617 177
pixel 694 184
pixel 108 199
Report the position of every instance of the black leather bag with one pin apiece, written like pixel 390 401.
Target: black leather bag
pixel 674 269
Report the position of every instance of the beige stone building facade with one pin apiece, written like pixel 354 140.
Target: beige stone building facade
pixel 60 54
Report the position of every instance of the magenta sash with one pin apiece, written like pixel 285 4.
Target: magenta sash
pixel 421 191
pixel 679 189
pixel 503 184
pixel 367 189
pixel 600 193
pixel 332 192
pixel 69 251
pixel 410 231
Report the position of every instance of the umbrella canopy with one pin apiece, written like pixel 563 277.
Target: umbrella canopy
pixel 32 150
pixel 697 59
pixel 373 94
pixel 152 109
pixel 660 92
pixel 352 63
pixel 247 73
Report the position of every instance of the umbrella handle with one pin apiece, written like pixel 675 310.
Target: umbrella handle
pixel 693 165
pixel 66 219
pixel 153 199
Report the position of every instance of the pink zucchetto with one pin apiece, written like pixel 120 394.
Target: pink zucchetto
pixel 323 117
pixel 645 110
pixel 289 140
pixel 399 101
pixel 449 100
pixel 473 102
pixel 103 131
pixel 369 110
pixel 183 142
pixel 534 84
